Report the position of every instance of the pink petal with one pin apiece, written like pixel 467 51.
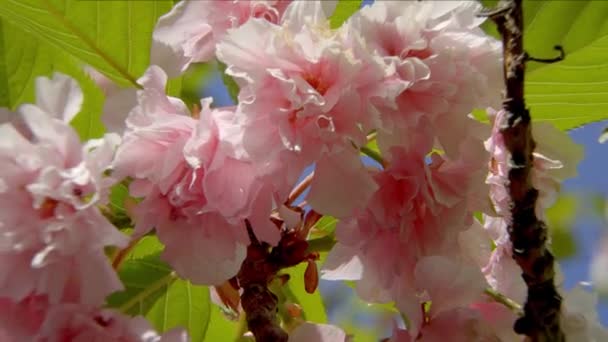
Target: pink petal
pixel 307 332
pixel 342 263
pixel 449 283
pixel 207 254
pixel 60 96
pixel 340 185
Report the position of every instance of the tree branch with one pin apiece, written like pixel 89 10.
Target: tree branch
pixel 541 318
pixel 259 268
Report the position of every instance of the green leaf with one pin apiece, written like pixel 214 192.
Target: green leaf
pixel 221 328
pixel 312 304
pixel 343 11
pixel 573 92
pixel 24 57
pixel 112 36
pixel 560 218
pixel 193 79
pixel 118 194
pixel 153 290
pixel 325 226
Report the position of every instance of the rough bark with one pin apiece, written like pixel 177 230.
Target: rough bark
pixel 260 267
pixel 541 318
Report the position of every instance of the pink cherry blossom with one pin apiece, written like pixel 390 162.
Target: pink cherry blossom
pixel 551 166
pixel 317 332
pixel 52 234
pixel 34 319
pixel 303 100
pixel 21 321
pixel 480 321
pixel 410 230
pixel 444 63
pixel 580 320
pixel 190 31
pixel 197 182
pixel 599 267
pixel 77 323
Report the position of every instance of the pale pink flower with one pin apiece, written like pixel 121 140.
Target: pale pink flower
pixel 304 100
pixel 317 332
pixel 599 267
pixel 33 319
pixel 555 159
pixel 501 271
pixel 52 235
pixel 411 225
pixel 107 86
pixel 21 321
pixel 80 324
pixel 190 31
pixel 579 319
pixel 479 322
pixel 445 282
pixel 197 182
pixel 445 66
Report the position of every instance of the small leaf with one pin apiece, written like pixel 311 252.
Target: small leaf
pixel 223 329
pixel 564 210
pixel 295 292
pixel 325 226
pixel 112 36
pixel 563 243
pixel 23 57
pixel 153 290
pixel 570 93
pixel 560 218
pixel 118 194
pixel 344 10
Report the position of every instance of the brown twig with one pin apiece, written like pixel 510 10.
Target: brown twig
pixel 541 318
pixel 300 188
pixel 257 271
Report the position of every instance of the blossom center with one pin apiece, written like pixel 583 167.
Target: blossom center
pixel 317 83
pixel 47 209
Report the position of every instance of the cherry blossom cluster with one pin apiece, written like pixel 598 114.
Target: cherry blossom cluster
pixel 406 74
pixel 54 273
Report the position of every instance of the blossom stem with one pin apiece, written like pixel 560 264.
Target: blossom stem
pixel 119 257
pixel 528 234
pixel 148 291
pixel 374 155
pixel 504 300
pixel 300 188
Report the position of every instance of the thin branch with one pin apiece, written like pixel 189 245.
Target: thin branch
pixel 119 257
pixel 504 300
pixel 258 270
pixel 148 291
pixel 324 244
pixel 300 188
pixel 374 155
pixel 561 57
pixel 541 316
